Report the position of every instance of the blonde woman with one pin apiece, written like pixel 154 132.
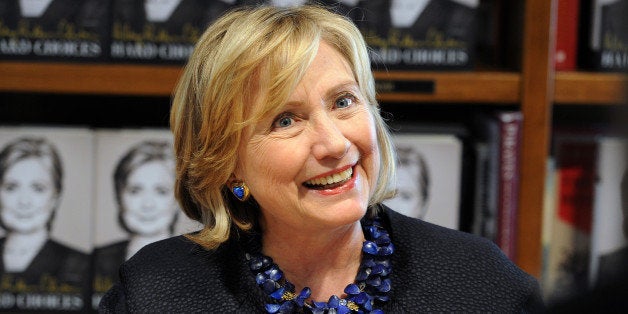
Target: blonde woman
pixel 283 156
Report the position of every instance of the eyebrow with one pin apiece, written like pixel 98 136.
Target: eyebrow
pixel 329 93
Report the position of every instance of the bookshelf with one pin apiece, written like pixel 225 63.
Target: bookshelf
pixel 536 88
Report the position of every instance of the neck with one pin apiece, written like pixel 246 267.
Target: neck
pixel 20 249
pixel 26 240
pixel 324 261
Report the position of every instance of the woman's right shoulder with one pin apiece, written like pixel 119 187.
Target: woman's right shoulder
pixel 178 250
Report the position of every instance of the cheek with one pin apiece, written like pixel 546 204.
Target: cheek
pixel 273 161
pixel 128 202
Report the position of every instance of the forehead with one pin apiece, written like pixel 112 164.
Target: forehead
pixel 28 168
pixel 327 69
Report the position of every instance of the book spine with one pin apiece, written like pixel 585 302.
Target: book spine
pixel 508 187
pixel 571 225
pixel 567 35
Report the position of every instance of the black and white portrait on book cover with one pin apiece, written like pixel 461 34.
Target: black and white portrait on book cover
pixel 45 215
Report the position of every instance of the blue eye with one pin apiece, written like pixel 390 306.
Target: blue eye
pixel 344 102
pixel 285 120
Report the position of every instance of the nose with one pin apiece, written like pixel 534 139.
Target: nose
pixel 329 140
pixel 25 200
pixel 148 203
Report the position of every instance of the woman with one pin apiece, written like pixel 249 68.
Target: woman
pixel 413 189
pixel 31 179
pixel 287 178
pixel 147 211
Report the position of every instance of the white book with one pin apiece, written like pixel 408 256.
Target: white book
pixel 607 236
pixel 428 178
pixel 135 203
pixel 46 213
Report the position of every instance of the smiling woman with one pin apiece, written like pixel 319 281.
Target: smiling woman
pixel 31 179
pixel 282 154
pixel 143 184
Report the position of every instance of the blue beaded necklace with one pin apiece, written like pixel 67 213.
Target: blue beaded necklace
pixel 369 291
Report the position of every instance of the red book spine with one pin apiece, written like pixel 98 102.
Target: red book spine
pixel 566 35
pixel 509 169
pixel 576 186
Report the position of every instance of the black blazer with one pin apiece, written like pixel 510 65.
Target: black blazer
pixel 434 270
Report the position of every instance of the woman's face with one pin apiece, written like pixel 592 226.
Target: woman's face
pixel 148 200
pixel 27 196
pixel 316 164
pixel 408 199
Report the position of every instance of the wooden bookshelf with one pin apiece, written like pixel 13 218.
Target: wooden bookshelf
pixel 73 78
pixel 457 87
pixel 588 88
pixel 535 89
pixel 120 79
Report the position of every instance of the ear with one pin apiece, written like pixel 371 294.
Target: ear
pixel 233 177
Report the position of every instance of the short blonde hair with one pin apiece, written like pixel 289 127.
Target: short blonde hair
pixel 253 52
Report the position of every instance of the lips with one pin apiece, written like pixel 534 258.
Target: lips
pixel 330 181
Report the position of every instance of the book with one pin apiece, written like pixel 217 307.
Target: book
pixel 428 177
pixel 609 35
pixel 568 259
pixel 420 34
pixel 510 125
pixel 498 151
pixel 46 204
pixel 54 29
pixel 550 202
pixel 608 239
pixel 160 31
pixel 566 50
pixel 135 203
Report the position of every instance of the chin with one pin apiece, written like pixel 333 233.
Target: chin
pixel 346 214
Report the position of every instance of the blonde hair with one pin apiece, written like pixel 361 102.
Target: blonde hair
pixel 253 52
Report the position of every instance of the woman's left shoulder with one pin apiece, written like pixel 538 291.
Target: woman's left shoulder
pixel 458 263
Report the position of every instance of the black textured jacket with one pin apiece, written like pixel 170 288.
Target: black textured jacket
pixel 434 270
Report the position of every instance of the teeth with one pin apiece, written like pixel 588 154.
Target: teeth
pixel 335 178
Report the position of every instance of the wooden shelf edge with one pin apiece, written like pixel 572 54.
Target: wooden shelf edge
pixel 160 80
pixel 455 87
pixel 589 88
pixel 76 78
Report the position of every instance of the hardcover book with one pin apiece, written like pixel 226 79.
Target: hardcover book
pixel 420 34
pixel 161 31
pixel 568 260
pixel 46 215
pixel 135 202
pixel 54 29
pixel 566 52
pixel 498 153
pixel 428 177
pixel 609 35
pixel 609 247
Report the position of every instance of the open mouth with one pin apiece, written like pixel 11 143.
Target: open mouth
pixel 330 181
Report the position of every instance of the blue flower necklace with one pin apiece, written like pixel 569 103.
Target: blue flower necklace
pixel 369 291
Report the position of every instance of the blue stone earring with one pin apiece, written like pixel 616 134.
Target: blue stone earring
pixel 240 190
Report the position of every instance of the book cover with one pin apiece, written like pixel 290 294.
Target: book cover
pixel 135 202
pixel 568 260
pixel 161 31
pixel 428 177
pixel 54 29
pixel 608 237
pixel 46 216
pixel 420 34
pixel 609 35
pixel 566 50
